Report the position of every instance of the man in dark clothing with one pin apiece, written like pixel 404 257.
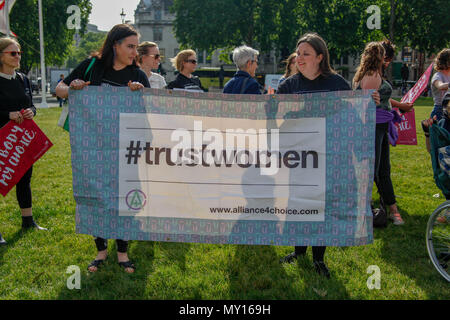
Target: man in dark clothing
pixel 221 76
pixel 405 75
pixel 246 59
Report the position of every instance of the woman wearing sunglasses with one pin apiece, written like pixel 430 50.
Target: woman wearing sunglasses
pixel 185 62
pixel 113 65
pixel 15 95
pixel 149 59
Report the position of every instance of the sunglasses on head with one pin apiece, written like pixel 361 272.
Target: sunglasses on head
pixel 193 61
pixel 156 56
pixel 13 53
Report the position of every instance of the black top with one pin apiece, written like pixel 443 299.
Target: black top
pixel 99 75
pixel 298 84
pixel 183 82
pixel 14 96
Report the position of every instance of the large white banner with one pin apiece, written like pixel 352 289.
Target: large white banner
pixel 222 168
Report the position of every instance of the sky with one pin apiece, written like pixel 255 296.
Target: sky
pixel 106 13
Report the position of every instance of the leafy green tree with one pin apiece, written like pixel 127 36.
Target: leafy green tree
pixel 91 42
pixel 24 21
pixel 270 24
pixel 213 24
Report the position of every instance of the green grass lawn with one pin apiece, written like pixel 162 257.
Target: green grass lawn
pixel 33 264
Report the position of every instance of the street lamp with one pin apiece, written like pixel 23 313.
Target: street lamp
pixel 122 14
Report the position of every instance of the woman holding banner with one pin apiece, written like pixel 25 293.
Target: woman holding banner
pixel 15 96
pixel 315 75
pixel 149 59
pixel 186 63
pixel 113 65
pixel 243 82
pixel 440 81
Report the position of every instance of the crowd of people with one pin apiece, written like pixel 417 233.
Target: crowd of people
pixel 123 61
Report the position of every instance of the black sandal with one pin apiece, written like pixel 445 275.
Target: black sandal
pixel 96 263
pixel 127 264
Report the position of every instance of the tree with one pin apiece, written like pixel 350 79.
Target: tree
pixel 213 24
pixel 91 42
pixel 270 24
pixel 24 21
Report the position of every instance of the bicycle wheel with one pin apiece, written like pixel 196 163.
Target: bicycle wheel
pixel 438 239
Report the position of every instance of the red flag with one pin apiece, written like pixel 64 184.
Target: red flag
pixel 407 128
pixel 4 16
pixel 21 145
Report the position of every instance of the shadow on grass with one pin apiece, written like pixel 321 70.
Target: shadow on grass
pixel 10 243
pixel 256 273
pixel 175 252
pixel 405 247
pixel 111 282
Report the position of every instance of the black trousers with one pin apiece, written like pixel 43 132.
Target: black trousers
pixel 102 244
pixel 318 251
pixel 383 164
pixel 23 190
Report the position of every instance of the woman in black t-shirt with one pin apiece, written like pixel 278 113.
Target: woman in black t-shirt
pixel 15 95
pixel 315 75
pixel 114 65
pixel 186 63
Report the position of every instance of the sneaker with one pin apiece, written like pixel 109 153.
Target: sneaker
pixel 289 258
pixel 321 268
pixel 34 225
pixel 2 241
pixel 397 219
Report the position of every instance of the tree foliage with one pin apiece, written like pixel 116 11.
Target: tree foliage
pixel 273 24
pixel 91 42
pixel 24 21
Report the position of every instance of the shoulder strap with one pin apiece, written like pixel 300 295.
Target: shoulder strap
pixel 26 84
pixel 89 68
pixel 244 83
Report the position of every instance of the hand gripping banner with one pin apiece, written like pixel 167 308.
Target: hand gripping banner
pixel 232 169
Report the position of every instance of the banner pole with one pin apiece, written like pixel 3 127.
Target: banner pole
pixel 43 77
pixel 6 8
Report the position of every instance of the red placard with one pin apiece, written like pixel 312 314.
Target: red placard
pixel 21 145
pixel 407 128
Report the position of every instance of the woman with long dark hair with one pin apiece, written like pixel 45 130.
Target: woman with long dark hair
pixel 113 65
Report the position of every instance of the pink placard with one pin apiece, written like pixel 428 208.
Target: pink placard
pixel 407 128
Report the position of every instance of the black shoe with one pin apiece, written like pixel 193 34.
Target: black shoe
pixel 2 241
pixel 321 268
pixel 33 224
pixel 289 258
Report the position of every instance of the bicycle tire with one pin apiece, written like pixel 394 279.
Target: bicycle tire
pixel 438 239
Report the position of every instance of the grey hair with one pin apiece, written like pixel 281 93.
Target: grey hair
pixel 242 55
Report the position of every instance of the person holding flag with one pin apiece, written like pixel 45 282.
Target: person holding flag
pixel 15 95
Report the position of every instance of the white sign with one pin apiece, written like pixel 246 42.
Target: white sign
pixel 222 168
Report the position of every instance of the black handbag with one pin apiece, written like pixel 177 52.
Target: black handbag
pixel 380 217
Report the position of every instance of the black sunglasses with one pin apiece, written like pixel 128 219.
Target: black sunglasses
pixel 192 61
pixel 156 56
pixel 13 53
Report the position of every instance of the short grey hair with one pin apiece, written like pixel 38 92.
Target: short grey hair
pixel 242 55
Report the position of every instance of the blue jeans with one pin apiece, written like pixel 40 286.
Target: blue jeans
pixel 437 111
